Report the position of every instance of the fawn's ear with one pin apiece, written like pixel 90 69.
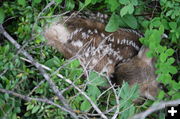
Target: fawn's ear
pixel 142 55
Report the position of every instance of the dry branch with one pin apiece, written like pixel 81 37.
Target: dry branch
pixel 27 98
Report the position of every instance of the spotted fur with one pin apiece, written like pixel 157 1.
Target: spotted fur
pixel 97 49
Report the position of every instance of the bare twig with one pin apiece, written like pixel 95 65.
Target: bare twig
pixel 30 93
pixel 117 100
pixel 154 108
pixel 58 15
pixel 1 74
pixel 27 98
pixel 39 67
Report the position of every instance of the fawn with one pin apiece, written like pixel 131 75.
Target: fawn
pixel 118 54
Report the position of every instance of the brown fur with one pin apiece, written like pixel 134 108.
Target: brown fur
pixel 92 37
pixel 139 70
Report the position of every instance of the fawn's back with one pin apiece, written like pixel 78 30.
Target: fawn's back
pixel 96 49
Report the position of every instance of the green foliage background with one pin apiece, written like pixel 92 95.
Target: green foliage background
pixel 25 21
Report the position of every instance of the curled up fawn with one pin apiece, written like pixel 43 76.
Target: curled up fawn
pixel 118 54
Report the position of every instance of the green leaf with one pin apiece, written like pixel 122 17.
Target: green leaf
pixel 22 2
pixel 134 91
pixel 161 29
pixel 145 24
pixel 2 15
pixel 172 69
pixel 170 60
pixel 2 102
pixel 75 64
pixel 93 91
pixel 131 21
pixel 127 92
pixel 70 4
pixel 53 62
pixel 173 25
pixel 6 96
pixel 174 39
pixel 29 107
pixel 37 1
pixel 35 109
pixel 152 45
pixel 165 23
pixel 17 109
pixel 112 4
pixel 122 23
pixel 58 1
pixel 87 2
pixel 176 96
pixel 155 36
pixel 130 8
pixel 134 2
pixel 149 54
pixel 6 49
pixel 169 52
pixel 155 22
pixel 163 57
pixel 81 5
pixel 167 77
pixel 97 80
pixel 124 2
pixel 168 13
pixel 161 95
pixel 160 49
pixel 94 1
pixel 124 11
pixel 113 23
pixel 13 116
pixel 85 106
pixel 164 78
pixel 127 111
pixel 176 86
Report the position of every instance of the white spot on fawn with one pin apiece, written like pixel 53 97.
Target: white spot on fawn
pixel 118 41
pixel 80 29
pixel 95 31
pixel 89 31
pixel 84 35
pixel 123 41
pixel 102 34
pixel 102 16
pixel 105 16
pixel 98 14
pixel 86 54
pixel 76 31
pixel 112 40
pixel 77 43
pixel 94 61
pixel 105 69
pixel 110 61
pixel 149 96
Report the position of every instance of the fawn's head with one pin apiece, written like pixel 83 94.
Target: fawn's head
pixel 141 70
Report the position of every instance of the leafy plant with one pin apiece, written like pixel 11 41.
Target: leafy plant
pixel 25 21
